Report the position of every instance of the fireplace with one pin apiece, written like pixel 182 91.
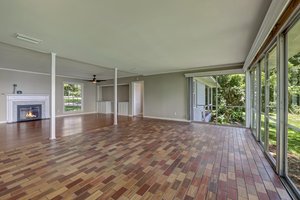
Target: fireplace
pixel 29 112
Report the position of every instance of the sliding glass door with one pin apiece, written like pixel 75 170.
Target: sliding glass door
pixel 262 101
pixel 275 104
pixel 293 107
pixel 267 99
pixel 271 103
pixel 253 100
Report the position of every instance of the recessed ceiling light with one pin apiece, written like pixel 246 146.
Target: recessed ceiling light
pixel 27 38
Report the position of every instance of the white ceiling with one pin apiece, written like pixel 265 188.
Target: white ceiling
pixel 137 36
pixel 16 58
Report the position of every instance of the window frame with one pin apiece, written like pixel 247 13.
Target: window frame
pixel 82 97
pixel 281 164
pixel 284 55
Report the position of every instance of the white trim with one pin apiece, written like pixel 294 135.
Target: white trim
pixel 3 122
pixel 42 73
pixel 208 68
pixel 123 115
pixel 111 113
pixel 75 114
pixel 166 118
pixel 274 12
pixel 214 73
pixel 24 71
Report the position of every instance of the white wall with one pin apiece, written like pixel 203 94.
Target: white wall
pixel 40 84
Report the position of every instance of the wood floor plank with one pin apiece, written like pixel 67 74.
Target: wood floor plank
pixel 141 159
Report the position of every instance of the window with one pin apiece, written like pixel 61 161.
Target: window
pixel 262 101
pixel 271 103
pixel 254 88
pixel 275 98
pixel 220 99
pixel 72 97
pixel 231 99
pixel 293 115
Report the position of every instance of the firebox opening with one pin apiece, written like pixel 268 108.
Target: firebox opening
pixel 29 112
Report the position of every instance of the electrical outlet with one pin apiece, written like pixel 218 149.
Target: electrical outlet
pixel 175 113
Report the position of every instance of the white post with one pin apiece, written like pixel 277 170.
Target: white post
pixel 116 97
pixel 53 83
pixel 211 98
pixel 208 96
pixel 248 97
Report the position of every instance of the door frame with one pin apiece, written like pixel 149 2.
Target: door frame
pixel 132 97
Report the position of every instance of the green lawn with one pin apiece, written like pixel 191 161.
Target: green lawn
pixel 72 108
pixel 293 136
pixel 293 119
pixel 72 100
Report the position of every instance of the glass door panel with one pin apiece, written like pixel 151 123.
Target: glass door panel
pixel 293 115
pixel 271 104
pixel 253 101
pixel 262 97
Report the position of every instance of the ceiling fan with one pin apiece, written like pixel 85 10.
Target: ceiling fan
pixel 94 80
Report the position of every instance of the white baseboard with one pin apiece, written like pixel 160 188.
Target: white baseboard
pixel 169 119
pixel 3 122
pixel 123 115
pixel 113 113
pixel 74 114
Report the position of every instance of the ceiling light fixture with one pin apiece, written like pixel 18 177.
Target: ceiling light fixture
pixel 27 38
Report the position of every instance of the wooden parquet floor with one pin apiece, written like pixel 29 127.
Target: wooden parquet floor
pixel 24 133
pixel 144 159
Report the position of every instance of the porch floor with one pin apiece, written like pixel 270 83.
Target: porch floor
pixel 140 159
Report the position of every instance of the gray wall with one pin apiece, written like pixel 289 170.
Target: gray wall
pixel 108 93
pixel 165 95
pixel 40 84
pixel 129 81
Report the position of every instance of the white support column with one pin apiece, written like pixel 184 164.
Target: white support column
pixel 116 97
pixel 248 97
pixel 53 83
pixel 208 95
pixel 211 98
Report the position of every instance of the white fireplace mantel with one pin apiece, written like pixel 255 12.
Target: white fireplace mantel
pixel 25 99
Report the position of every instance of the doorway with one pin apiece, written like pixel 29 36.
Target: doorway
pixel 219 99
pixel 138 98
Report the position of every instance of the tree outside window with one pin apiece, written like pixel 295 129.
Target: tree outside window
pixel 72 97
